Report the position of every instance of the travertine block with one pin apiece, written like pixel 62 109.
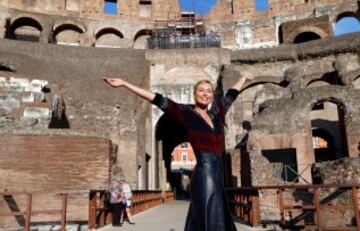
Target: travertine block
pixel 36 112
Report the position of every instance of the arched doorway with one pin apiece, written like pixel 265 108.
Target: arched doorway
pixel 328 130
pixel 170 134
pixel 183 162
pixel 68 34
pixel 109 37
pixel 306 37
pixel 141 39
pixel 25 29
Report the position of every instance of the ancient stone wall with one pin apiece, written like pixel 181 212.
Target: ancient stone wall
pixel 91 107
pixel 152 9
pixel 238 23
pixel 241 26
pixel 277 108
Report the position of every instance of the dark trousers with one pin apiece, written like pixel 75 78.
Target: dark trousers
pixel 116 210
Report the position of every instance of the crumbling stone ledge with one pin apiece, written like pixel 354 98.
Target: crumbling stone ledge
pixel 293 52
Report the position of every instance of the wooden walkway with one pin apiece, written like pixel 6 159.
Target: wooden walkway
pixel 167 217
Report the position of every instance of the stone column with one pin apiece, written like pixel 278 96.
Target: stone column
pixel 46 34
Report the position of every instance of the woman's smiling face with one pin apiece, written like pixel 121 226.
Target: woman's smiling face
pixel 203 94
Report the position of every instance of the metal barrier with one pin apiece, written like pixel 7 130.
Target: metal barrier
pixel 28 212
pixel 100 214
pixel 245 205
pixel 292 173
pixel 184 41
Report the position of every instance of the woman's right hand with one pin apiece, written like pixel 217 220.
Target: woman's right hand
pixel 118 82
pixel 114 82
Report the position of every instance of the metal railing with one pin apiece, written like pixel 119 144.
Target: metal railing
pixel 246 204
pixel 292 173
pixel 184 41
pixel 28 212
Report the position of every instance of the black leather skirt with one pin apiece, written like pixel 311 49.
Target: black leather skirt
pixel 208 209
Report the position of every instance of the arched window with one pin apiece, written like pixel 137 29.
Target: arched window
pixel 141 39
pixel 68 34
pixel 306 37
pixel 109 37
pixel 346 23
pixel 26 29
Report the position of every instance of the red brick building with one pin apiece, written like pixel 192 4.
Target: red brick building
pixel 183 157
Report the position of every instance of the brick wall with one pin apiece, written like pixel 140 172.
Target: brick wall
pixel 45 162
pixel 52 162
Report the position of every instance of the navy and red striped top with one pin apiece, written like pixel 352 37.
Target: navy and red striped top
pixel 202 137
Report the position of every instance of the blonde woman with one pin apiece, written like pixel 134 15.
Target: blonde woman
pixel 208 209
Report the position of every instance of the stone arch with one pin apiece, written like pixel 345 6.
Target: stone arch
pixel 317 83
pixel 269 91
pixel 141 39
pixel 356 82
pixel 341 23
pixel 307 30
pixel 68 34
pixel 346 14
pixel 329 114
pixel 180 75
pixel 339 102
pixel 108 37
pixel 330 78
pixel 25 28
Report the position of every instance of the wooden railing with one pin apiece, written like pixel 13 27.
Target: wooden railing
pixel 168 196
pixel 100 214
pixel 143 200
pixel 28 211
pixel 244 203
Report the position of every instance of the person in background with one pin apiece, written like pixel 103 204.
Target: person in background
pixel 117 206
pixel 128 196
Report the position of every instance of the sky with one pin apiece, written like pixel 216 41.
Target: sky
pixel 201 7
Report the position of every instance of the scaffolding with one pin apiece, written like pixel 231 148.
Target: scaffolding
pixel 186 31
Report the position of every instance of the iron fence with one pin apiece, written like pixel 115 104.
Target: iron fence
pixel 184 41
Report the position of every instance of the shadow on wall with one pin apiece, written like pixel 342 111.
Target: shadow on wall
pixel 58 114
pixel 14 207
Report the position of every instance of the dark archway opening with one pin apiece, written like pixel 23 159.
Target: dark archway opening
pixel 108 37
pixel 324 146
pixel 329 130
pixel 25 29
pixel 109 31
pixel 306 37
pixel 171 134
